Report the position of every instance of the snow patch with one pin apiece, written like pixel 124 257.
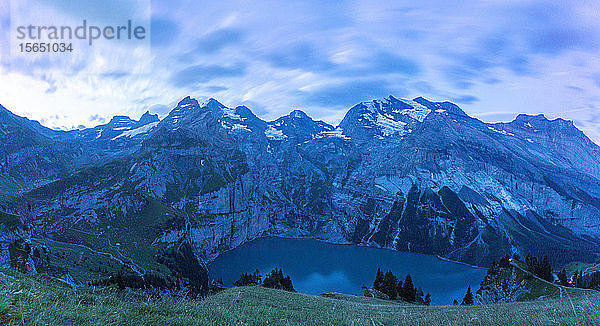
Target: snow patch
pixel 337 133
pixel 239 128
pixel 389 126
pixel 371 106
pixel 418 111
pixel 504 132
pixel 274 134
pixel 230 113
pixel 138 131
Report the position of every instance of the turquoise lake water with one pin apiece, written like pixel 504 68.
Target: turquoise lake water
pixel 316 267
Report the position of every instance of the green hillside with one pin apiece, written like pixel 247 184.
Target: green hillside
pixel 515 283
pixel 41 300
pixel 10 221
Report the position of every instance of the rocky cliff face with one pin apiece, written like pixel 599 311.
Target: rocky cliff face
pixel 410 175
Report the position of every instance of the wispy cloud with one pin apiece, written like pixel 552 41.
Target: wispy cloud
pixel 494 58
pixel 190 76
pixel 164 31
pixel 596 78
pixel 466 99
pixel 345 94
pixel 217 40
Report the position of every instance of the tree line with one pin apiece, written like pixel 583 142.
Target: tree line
pixel 542 268
pixel 389 284
pixel 274 280
pixel 589 281
pixel 539 267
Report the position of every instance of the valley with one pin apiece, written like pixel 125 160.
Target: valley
pixel 163 198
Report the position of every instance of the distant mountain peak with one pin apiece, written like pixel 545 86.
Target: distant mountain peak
pixel 120 120
pixel 541 121
pixel 442 107
pixel 529 117
pixel 212 103
pixel 296 125
pixel 147 118
pixel 187 101
pixel 298 114
pixel 384 118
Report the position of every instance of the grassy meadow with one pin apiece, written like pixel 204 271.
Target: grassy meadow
pixel 42 300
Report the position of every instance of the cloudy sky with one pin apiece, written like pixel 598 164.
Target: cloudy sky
pixel 494 58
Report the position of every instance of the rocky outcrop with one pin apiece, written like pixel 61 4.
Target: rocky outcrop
pixel 502 285
pixel 373 293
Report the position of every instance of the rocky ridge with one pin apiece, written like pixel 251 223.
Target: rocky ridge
pixel 411 175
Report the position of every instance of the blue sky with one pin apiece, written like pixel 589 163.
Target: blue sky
pixel 493 58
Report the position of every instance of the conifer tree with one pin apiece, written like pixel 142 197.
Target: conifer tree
pixel 574 278
pixel 119 280
pixel 399 289
pixel 468 299
pixel 409 293
pixel 243 281
pixel 562 277
pixel 256 278
pixel 427 299
pixel 286 284
pixel 541 268
pixel 390 282
pixel 270 280
pixel 595 281
pixel 378 280
pixel 578 279
pixel 545 270
pixel 276 280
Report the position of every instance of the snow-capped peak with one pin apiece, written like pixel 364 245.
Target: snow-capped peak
pixel 417 111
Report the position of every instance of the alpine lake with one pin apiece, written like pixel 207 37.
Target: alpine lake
pixel 317 267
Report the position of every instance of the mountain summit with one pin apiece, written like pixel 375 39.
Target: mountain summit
pixel 411 175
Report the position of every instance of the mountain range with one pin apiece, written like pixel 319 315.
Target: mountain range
pixel 410 175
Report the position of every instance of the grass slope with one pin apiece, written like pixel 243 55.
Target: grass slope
pixel 122 241
pixel 41 300
pixel 8 187
pixel 82 263
pixel 11 222
pixel 540 288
